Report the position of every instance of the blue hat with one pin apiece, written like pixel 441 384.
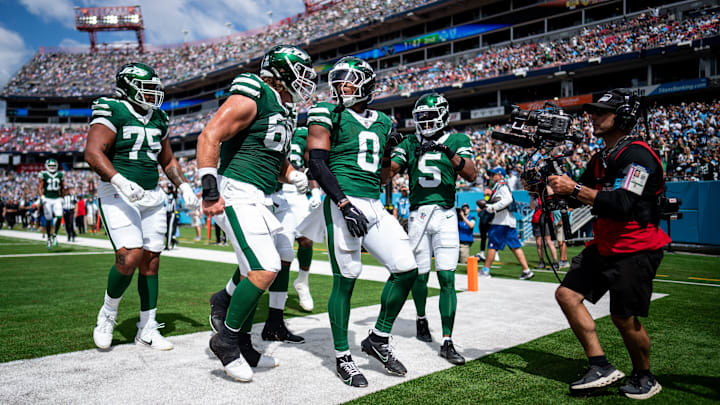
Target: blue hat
pixel 498 170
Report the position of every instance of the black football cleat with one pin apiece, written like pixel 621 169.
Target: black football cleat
pixel 380 349
pixel 349 372
pixel 423 330
pixel 448 352
pixel 219 303
pixel 277 331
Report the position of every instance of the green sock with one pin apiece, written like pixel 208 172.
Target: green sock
pixel 247 326
pixel 117 283
pixel 304 256
pixel 393 297
pixel 448 300
pixel 420 293
pixel 148 290
pixel 242 304
pixel 339 310
pixel 282 279
pixel 236 276
pixel 58 224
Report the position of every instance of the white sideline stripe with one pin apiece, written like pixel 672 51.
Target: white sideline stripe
pixel 493 319
pixel 656 279
pixel 57 254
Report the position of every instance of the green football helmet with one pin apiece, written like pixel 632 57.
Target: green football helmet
pixel 293 67
pixel 138 83
pixel 51 165
pixel 431 114
pixel 356 72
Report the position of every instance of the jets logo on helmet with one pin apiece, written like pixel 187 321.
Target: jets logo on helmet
pixel 354 73
pixel 51 165
pixel 431 114
pixel 293 67
pixel 139 84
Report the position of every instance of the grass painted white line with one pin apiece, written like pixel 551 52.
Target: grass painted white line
pixel 30 242
pixel 56 254
pixel 656 280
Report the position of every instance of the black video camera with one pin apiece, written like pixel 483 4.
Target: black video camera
pixel 670 208
pixel 547 127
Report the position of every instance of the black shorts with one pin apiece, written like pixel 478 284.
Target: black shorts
pixel 628 276
pixel 537 228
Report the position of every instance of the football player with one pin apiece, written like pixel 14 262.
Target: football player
pixel 128 138
pixel 50 188
pixel 292 212
pixel 434 158
pixel 288 206
pixel 349 148
pixel 250 136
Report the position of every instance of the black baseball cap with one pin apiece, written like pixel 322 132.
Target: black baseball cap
pixel 609 102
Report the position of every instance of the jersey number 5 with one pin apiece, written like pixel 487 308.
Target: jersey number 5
pixel 431 174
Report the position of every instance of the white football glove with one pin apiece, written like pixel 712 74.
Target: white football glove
pixel 191 201
pixel 315 198
pixel 299 180
pixel 128 188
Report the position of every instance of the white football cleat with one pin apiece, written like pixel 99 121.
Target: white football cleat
pixel 303 291
pixel 150 336
pixel 267 362
pixel 103 332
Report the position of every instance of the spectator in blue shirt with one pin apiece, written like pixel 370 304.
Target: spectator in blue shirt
pixel 466 225
pixel 402 208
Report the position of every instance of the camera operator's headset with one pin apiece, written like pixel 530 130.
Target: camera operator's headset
pixel 628 113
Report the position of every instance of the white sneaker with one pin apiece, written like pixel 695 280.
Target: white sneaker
pixel 267 362
pixel 303 291
pixel 103 332
pixel 150 336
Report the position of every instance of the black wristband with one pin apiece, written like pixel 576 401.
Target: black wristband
pixel 448 152
pixel 209 188
pixel 460 166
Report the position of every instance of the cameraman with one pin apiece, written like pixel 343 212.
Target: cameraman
pixel 622 183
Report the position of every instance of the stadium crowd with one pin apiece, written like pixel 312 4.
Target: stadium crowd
pixel 68 74
pixel 686 136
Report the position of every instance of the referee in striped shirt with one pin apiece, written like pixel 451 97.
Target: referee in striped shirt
pixel 69 214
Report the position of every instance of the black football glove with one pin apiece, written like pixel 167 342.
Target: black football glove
pixel 394 140
pixel 356 222
pixel 436 147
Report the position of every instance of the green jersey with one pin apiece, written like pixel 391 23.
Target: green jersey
pixel 256 154
pixel 297 147
pixel 138 138
pixel 356 146
pixel 432 177
pixel 52 182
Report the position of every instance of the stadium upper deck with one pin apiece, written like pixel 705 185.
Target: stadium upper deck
pixel 520 61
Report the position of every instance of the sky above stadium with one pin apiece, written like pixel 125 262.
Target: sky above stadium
pixel 26 25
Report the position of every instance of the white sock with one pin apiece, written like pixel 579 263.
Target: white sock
pixel 421 317
pixel 303 276
pixel 277 299
pixel 147 317
pixel 526 271
pixel 342 353
pixel 381 334
pixel 111 304
pixel 230 287
pixel 446 338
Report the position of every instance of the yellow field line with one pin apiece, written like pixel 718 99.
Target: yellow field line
pixel 703 279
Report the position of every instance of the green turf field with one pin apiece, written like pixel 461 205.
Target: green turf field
pixel 48 304
pixel 684 329
pixel 63 294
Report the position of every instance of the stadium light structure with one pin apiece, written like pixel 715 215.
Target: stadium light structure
pixel 95 19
